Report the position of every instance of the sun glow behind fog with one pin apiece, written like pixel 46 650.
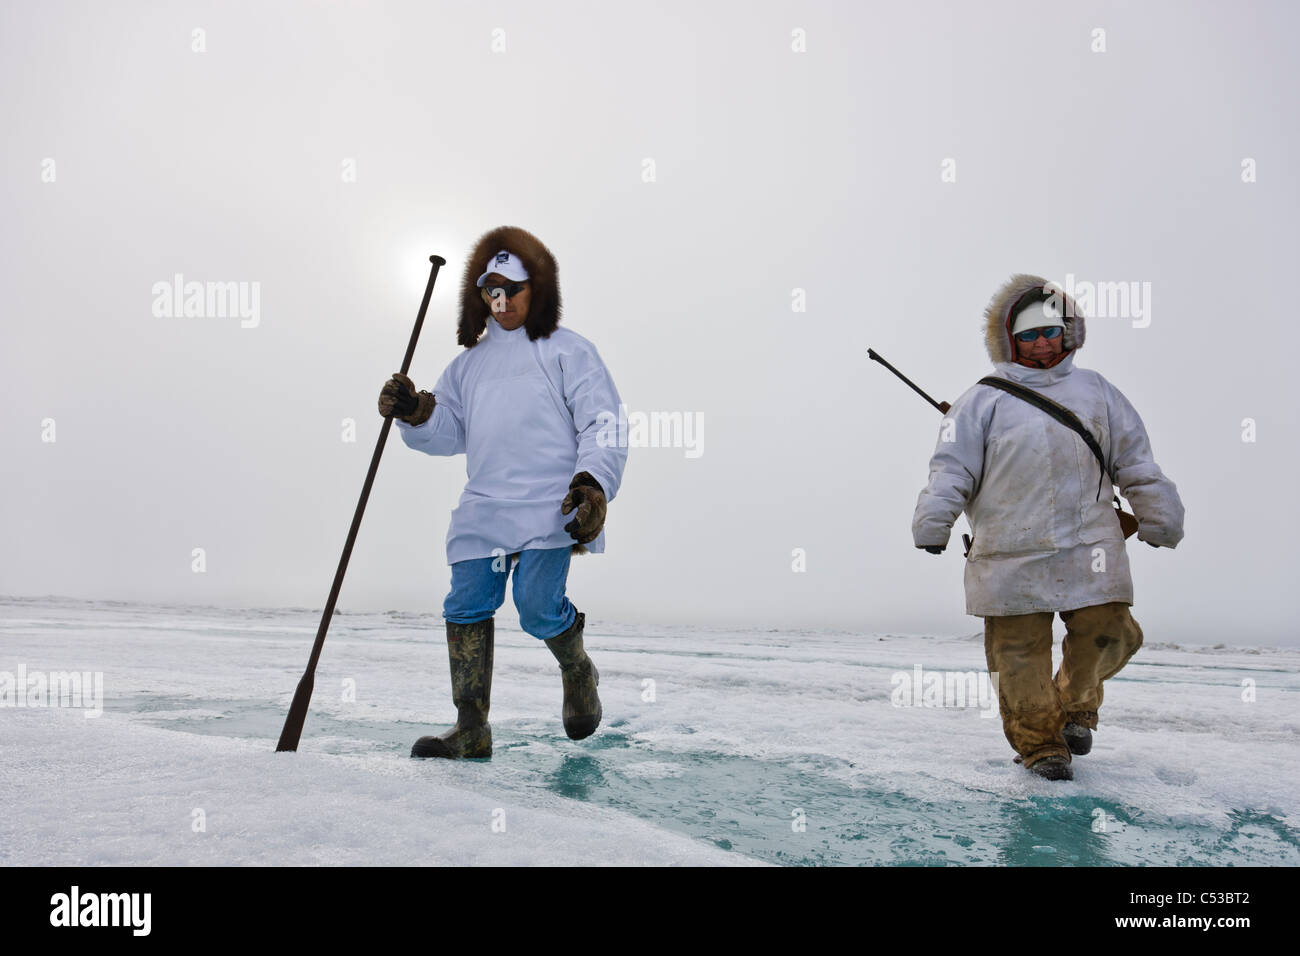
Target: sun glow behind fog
pixel 399 269
pixel 397 255
pixel 411 264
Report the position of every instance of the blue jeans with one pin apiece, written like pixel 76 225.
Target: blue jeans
pixel 478 589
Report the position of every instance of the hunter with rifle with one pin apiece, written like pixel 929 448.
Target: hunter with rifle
pixel 1033 455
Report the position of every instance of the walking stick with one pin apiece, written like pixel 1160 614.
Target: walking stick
pixel 302 696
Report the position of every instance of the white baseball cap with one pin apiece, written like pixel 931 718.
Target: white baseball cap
pixel 506 264
pixel 1038 315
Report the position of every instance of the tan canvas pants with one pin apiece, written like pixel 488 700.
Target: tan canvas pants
pixel 1035 706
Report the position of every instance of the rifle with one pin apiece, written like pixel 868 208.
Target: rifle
pixel 875 357
pixel 1128 523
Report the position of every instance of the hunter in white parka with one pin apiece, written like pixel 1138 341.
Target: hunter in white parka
pixel 534 410
pixel 1047 539
pixel 1029 484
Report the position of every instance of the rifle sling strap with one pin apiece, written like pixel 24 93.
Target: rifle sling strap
pixel 1057 411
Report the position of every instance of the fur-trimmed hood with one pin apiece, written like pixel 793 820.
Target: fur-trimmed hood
pixel 543 277
pixel 997 316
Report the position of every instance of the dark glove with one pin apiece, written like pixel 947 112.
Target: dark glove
pixel 933 548
pixel 399 398
pixel 587 500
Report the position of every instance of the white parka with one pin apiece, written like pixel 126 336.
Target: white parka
pixel 1044 538
pixel 529 414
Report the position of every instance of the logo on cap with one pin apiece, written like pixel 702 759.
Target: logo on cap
pixel 503 257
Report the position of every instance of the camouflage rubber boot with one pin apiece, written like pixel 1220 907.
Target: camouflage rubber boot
pixel 581 702
pixel 469 646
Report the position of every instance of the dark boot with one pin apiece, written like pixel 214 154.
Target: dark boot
pixel 1053 768
pixel 469 647
pixel 1078 738
pixel 581 702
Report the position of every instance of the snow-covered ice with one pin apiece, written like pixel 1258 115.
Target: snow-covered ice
pixel 718 747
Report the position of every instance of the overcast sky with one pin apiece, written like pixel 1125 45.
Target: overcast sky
pixel 691 165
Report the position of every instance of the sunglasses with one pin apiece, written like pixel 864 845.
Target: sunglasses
pixel 1029 335
pixel 509 290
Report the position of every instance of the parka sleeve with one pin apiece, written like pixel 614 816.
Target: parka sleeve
pixel 444 432
pixel 955 469
pixel 593 400
pixel 1134 471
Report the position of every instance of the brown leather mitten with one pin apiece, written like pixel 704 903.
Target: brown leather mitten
pixel 399 398
pixel 587 500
